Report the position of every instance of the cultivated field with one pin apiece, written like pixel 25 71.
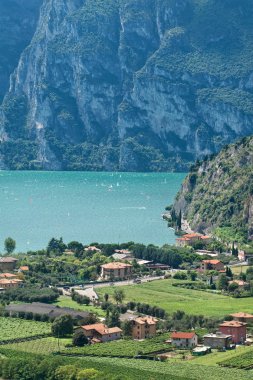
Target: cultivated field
pixel 161 293
pixel 49 345
pixel 15 328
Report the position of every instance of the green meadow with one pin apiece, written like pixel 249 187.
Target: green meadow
pixel 161 293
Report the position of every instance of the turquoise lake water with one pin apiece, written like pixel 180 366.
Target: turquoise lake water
pixel 88 207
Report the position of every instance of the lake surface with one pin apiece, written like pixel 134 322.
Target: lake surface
pixel 87 207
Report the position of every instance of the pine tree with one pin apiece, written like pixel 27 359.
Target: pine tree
pixel 179 220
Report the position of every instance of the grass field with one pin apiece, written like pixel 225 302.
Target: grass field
pixel 240 269
pixel 65 301
pixel 13 328
pixel 161 293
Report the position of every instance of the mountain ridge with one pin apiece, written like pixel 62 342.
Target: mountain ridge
pixel 116 85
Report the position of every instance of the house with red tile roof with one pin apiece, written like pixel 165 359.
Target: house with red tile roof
pixel 7 264
pixel 236 329
pixel 190 239
pixel 212 265
pixel 99 332
pixel 7 284
pixel 184 339
pixel 242 317
pixel 116 270
pixel 143 327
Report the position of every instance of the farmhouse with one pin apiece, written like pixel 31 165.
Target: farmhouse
pixel 101 333
pixel 184 339
pixel 212 265
pixel 7 264
pixel 50 311
pixel 144 327
pixel 7 284
pixel 242 317
pixel 116 270
pixel 217 340
pixel 190 239
pixel 236 329
pixel 9 276
pixel 241 284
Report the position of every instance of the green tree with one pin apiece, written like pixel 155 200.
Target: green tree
pixel 112 317
pixel 66 372
pixel 127 328
pixel 79 339
pixel 119 295
pixel 179 220
pixel 222 282
pixel 88 374
pixel 9 245
pixel 62 326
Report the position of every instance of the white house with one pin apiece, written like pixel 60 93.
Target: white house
pixel 184 339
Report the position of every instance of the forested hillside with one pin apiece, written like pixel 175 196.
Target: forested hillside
pixel 217 195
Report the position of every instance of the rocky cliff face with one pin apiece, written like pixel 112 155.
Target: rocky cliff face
pixel 126 85
pixel 218 193
pixel 18 21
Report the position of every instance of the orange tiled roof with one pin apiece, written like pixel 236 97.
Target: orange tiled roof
pixel 214 262
pixel 25 268
pixel 182 335
pixel 8 260
pixel 238 282
pixel 7 275
pixel 146 320
pixel 116 265
pixel 232 324
pixel 102 329
pixel 193 235
pixel 9 282
pixel 242 315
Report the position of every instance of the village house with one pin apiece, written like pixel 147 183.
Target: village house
pixel 212 265
pixel 8 276
pixel 242 317
pixel 123 254
pixel 116 270
pixel 217 340
pixel 241 284
pixel 184 339
pixel 190 239
pixel 7 284
pixel 99 333
pixel 24 268
pixel 144 327
pixel 7 264
pixel 236 329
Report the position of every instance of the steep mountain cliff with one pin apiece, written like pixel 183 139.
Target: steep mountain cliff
pixel 218 193
pixel 18 21
pixel 130 85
